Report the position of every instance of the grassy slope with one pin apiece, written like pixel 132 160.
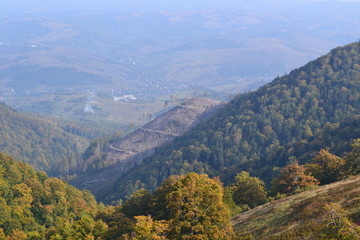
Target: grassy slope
pixel 297 216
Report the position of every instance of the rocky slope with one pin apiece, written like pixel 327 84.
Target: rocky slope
pixel 123 153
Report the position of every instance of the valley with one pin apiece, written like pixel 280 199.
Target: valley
pixel 164 121
pixel 155 57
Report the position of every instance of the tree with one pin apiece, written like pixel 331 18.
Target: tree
pixel 138 204
pixel 352 159
pixel 326 167
pixel 197 209
pixel 336 225
pixel 118 223
pixel 147 228
pixel 17 235
pixel 158 199
pixel 293 177
pixel 249 190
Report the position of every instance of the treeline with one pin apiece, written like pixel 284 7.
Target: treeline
pixel 323 168
pixel 251 131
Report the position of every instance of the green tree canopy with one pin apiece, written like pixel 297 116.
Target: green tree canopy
pixel 249 190
pixel 352 159
pixel 326 167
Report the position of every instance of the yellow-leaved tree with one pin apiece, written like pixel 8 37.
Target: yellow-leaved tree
pixel 197 209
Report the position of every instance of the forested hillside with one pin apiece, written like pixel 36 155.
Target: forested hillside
pixel 251 130
pixel 33 206
pixel 41 143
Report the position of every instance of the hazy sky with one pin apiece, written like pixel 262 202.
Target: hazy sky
pixel 9 6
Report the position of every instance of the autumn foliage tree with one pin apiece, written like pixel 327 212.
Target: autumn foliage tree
pixel 147 228
pixel 197 209
pixel 33 206
pixel 337 225
pixel 293 177
pixel 182 207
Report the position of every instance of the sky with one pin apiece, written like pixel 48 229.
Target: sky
pixel 10 6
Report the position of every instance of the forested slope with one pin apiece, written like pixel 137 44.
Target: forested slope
pixel 251 130
pixel 41 143
pixel 33 206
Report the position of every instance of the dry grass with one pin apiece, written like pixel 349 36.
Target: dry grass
pixel 298 216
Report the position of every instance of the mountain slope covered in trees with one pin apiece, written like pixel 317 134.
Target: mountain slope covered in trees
pixel 41 143
pixel 33 206
pixel 253 127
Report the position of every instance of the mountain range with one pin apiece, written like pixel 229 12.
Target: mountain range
pixel 250 130
pixel 158 53
pixel 287 121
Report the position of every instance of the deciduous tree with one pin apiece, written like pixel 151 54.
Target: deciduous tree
pixel 293 177
pixel 326 167
pixel 197 209
pixel 249 190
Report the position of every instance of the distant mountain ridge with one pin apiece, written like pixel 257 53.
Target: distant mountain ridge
pixel 118 155
pixel 148 51
pixel 249 131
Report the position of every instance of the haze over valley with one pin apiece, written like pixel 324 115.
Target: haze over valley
pixel 73 64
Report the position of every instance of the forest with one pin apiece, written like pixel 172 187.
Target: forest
pixel 51 145
pixel 297 134
pixel 261 130
pixel 191 206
